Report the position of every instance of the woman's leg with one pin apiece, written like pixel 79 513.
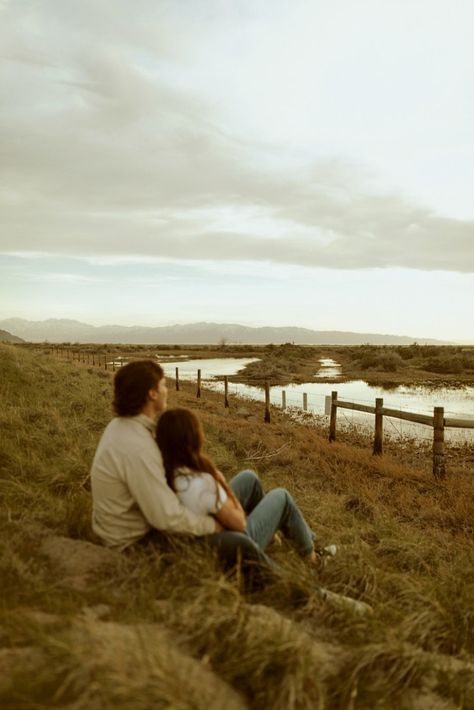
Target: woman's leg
pixel 248 489
pixel 278 511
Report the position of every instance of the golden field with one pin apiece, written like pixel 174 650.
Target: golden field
pixel 83 627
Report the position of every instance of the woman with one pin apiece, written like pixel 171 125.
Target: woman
pixel 249 517
pixel 240 506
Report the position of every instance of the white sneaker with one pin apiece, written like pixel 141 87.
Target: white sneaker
pixel 330 550
pixel 339 601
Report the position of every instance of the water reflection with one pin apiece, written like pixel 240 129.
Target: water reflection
pixel 329 369
pixel 213 367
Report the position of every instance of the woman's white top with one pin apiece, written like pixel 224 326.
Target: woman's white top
pixel 199 492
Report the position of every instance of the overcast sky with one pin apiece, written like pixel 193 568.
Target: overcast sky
pixel 283 162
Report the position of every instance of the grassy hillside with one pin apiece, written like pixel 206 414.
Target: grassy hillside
pixel 6 337
pixel 81 627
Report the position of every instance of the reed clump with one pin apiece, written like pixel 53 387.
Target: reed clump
pixel 167 628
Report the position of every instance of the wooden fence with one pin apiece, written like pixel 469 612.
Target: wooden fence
pixel 437 421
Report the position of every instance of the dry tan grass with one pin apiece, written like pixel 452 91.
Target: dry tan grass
pixel 405 547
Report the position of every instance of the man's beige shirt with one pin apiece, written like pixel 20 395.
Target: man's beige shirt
pixel 129 490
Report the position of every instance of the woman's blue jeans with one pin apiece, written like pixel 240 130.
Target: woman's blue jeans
pixel 267 513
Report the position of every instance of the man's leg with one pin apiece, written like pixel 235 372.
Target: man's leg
pixel 278 511
pixel 248 489
pixel 232 546
pixel 238 550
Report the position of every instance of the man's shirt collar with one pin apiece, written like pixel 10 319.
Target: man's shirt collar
pixel 147 422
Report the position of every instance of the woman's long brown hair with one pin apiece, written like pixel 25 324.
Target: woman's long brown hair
pixel 180 437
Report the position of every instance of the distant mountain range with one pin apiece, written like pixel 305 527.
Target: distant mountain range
pixel 72 331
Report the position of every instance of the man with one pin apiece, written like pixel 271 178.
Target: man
pixel 129 490
pixel 130 495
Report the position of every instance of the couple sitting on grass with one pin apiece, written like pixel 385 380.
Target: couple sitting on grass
pixel 152 479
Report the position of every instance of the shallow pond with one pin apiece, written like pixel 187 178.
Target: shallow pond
pixel 457 402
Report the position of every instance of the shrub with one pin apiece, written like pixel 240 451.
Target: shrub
pixel 409 352
pixel 386 361
pixel 446 365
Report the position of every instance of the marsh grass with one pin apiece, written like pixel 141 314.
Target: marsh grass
pixel 167 629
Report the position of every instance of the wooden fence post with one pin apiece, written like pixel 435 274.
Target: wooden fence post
pixel 176 375
pixel 105 361
pixel 283 399
pixel 226 392
pixel 266 417
pixel 113 363
pixel 198 393
pixel 305 401
pixel 378 435
pixel 439 468
pixel 332 420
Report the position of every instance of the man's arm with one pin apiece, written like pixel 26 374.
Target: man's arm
pixel 159 505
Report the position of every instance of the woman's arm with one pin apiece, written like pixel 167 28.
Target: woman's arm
pixel 231 516
pixel 197 491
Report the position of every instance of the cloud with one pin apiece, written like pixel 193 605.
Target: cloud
pixel 107 148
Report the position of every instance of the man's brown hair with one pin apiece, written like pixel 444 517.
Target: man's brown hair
pixel 132 384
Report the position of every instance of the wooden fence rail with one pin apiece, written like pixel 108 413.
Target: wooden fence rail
pixel 438 422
